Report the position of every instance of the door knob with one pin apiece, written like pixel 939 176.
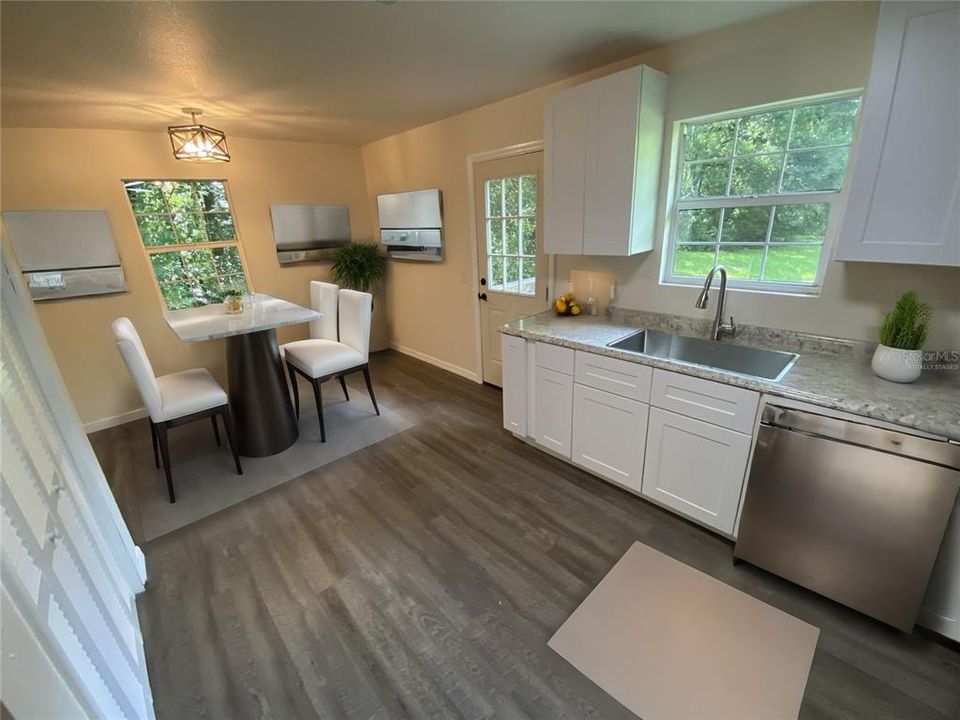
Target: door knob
pixel 483 281
pixel 482 296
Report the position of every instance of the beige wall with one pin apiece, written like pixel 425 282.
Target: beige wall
pixel 810 50
pixel 82 169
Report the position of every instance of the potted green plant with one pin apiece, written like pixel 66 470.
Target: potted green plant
pixel 233 299
pixel 899 356
pixel 358 266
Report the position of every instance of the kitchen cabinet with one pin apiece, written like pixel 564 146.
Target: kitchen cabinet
pixel 553 410
pixel 609 434
pixel 904 197
pixel 678 440
pixel 695 467
pixel 728 406
pixel 513 354
pixel 603 142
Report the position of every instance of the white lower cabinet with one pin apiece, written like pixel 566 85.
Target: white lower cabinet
pixel 695 468
pixel 513 354
pixel 609 433
pixel 553 410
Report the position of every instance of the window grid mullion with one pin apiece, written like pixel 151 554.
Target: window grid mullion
pixel 765 153
pixel 766 241
pixel 733 154
pixel 783 165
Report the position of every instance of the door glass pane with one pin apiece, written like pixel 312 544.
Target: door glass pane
pixel 511 234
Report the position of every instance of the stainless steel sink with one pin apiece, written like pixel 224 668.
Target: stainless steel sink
pixel 757 362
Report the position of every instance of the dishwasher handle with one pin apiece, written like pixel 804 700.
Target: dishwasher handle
pixel 937 452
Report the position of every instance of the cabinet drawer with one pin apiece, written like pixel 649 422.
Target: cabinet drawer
pixel 620 377
pixel 724 405
pixel 695 468
pixel 554 357
pixel 609 434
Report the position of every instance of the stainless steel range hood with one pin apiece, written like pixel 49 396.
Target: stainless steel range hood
pixel 309 232
pixel 66 254
pixel 411 225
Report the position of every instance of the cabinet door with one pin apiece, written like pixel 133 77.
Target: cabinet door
pixel 565 147
pixel 553 410
pixel 609 434
pixel 611 157
pixel 904 202
pixel 513 354
pixel 695 468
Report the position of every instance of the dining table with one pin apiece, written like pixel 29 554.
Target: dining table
pixel 257 387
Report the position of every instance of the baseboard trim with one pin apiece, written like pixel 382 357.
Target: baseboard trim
pixel 114 420
pixel 437 362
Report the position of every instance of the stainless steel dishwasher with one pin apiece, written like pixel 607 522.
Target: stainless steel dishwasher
pixel 851 511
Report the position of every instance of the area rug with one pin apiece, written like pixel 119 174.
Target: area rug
pixel 667 641
pixel 207 483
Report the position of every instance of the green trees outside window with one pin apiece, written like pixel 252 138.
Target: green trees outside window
pixel 756 192
pixel 190 237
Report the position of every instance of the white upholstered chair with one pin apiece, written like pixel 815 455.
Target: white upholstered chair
pixel 323 357
pixel 173 399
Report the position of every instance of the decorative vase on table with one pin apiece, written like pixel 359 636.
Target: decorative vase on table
pixel 899 356
pixel 233 303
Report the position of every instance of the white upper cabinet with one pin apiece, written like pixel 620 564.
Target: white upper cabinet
pixel 603 143
pixel 565 127
pixel 904 202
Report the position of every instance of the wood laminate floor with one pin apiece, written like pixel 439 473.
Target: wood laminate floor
pixel 422 577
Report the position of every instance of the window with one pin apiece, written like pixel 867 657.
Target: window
pixel 188 231
pixel 757 193
pixel 511 215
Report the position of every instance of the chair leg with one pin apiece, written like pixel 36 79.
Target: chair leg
pixel 366 378
pixel 156 449
pixel 165 454
pixel 296 390
pixel 216 430
pixel 228 426
pixel 343 384
pixel 319 396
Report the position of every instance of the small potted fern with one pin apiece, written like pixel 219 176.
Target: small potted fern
pixel 899 356
pixel 358 266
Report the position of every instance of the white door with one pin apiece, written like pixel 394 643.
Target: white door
pixel 72 641
pixel 513 267
pixel 609 434
pixel 695 468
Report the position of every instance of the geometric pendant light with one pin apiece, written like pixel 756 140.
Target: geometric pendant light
pixel 197 142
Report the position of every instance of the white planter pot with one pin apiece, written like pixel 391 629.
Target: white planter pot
pixel 902 366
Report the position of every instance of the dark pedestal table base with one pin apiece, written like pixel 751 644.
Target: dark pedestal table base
pixel 259 399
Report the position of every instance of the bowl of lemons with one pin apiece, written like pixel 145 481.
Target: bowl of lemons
pixel 567 304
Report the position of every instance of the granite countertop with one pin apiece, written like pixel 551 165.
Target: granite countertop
pixel 830 372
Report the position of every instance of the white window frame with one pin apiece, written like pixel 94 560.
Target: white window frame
pixel 210 245
pixel 834 198
pixel 520 218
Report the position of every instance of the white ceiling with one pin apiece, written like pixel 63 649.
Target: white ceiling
pixel 334 72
